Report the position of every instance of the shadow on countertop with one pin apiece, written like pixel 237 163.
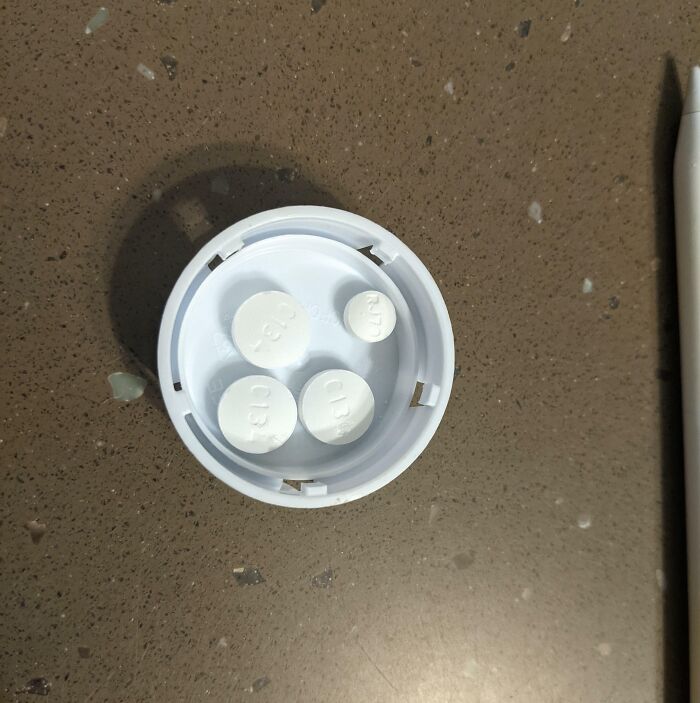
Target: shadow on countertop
pixel 675 606
pixel 179 208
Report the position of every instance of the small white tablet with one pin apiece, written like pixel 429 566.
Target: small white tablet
pixel 336 406
pixel 257 414
pixel 271 329
pixel 370 316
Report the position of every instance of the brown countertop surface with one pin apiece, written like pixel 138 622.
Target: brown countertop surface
pixel 534 552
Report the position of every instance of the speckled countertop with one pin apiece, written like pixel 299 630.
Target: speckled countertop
pixel 534 551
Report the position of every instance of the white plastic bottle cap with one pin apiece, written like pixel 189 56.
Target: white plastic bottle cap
pixel 257 414
pixel 336 406
pixel 271 329
pixel 313 253
pixel 371 316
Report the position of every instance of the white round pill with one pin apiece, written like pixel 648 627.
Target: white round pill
pixel 257 414
pixel 336 406
pixel 271 329
pixel 370 316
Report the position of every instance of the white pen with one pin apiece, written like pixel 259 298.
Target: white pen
pixel 686 195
